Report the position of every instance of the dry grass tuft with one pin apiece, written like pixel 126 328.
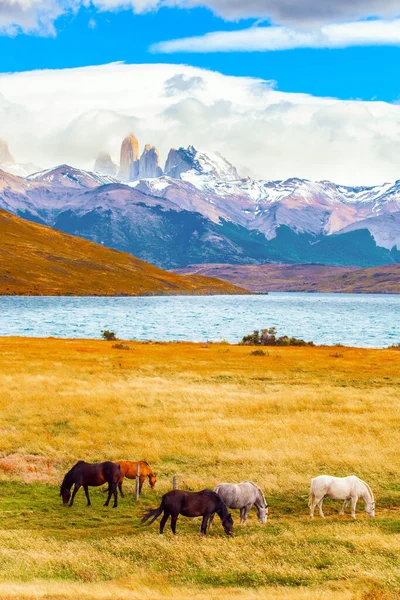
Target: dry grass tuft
pixel 29 467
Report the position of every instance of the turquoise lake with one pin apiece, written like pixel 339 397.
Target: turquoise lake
pixel 349 319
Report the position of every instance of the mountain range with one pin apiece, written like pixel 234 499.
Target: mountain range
pixel 198 210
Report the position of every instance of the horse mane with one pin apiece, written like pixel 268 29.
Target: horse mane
pixel 368 488
pixel 222 510
pixel 80 462
pixel 259 489
pixel 67 476
pixel 65 481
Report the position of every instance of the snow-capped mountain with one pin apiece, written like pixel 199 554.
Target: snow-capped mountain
pixel 66 176
pixel 201 211
pixel 304 206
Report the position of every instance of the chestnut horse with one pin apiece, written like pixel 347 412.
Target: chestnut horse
pixel 190 504
pixel 128 470
pixel 84 474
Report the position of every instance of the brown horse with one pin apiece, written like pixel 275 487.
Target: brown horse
pixel 128 470
pixel 190 504
pixel 85 474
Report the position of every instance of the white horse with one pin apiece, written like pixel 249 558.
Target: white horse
pixel 243 495
pixel 349 489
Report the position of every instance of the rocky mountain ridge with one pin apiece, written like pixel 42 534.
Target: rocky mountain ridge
pixel 199 210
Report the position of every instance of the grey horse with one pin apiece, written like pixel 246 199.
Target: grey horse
pixel 243 495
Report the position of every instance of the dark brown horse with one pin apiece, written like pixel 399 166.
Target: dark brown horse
pixel 190 504
pixel 84 474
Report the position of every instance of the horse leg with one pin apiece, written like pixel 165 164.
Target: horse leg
pixel 76 488
pixel 141 482
pixel 86 488
pixel 111 488
pixel 313 504
pixel 115 494
pixel 203 528
pixel 353 506
pixel 210 520
pixel 174 519
pixel 120 486
pixel 345 503
pixel 164 520
pixel 242 517
pixel 246 511
pixel 321 514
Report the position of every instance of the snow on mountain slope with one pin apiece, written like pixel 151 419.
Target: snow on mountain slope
pixel 67 176
pixel 206 184
pixel 385 229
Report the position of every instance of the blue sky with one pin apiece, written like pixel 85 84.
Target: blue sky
pixel 91 37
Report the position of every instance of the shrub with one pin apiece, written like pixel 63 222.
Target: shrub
pixel 268 337
pixel 394 347
pixel 109 336
pixel 258 353
pixel 121 346
pixel 336 355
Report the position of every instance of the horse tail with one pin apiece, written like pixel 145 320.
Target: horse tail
pixel 311 496
pixel 152 514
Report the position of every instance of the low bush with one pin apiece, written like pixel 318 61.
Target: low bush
pixel 268 337
pixel 109 336
pixel 121 346
pixel 258 353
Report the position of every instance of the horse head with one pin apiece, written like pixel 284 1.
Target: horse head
pixel 65 494
pixel 262 514
pixel 227 524
pixel 152 480
pixel 370 509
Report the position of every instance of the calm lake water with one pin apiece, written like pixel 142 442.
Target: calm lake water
pixel 356 320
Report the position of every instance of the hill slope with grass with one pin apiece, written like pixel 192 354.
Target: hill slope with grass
pixel 304 278
pixel 38 260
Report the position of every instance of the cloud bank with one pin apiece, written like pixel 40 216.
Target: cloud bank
pixel 68 116
pixel 38 16
pixel 257 39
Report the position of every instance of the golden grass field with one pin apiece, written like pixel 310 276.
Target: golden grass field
pixel 208 413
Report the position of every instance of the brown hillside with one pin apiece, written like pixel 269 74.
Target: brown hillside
pixel 305 278
pixel 37 260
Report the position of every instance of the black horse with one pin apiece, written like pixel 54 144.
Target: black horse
pixel 85 474
pixel 191 504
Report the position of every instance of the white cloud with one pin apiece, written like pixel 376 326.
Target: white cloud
pixel 33 16
pixel 51 117
pixel 38 16
pixel 362 33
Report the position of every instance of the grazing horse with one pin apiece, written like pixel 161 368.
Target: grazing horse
pixel 128 470
pixel 243 495
pixel 190 504
pixel 349 489
pixel 85 474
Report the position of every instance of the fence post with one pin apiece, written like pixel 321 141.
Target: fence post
pixel 137 482
pixel 174 482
